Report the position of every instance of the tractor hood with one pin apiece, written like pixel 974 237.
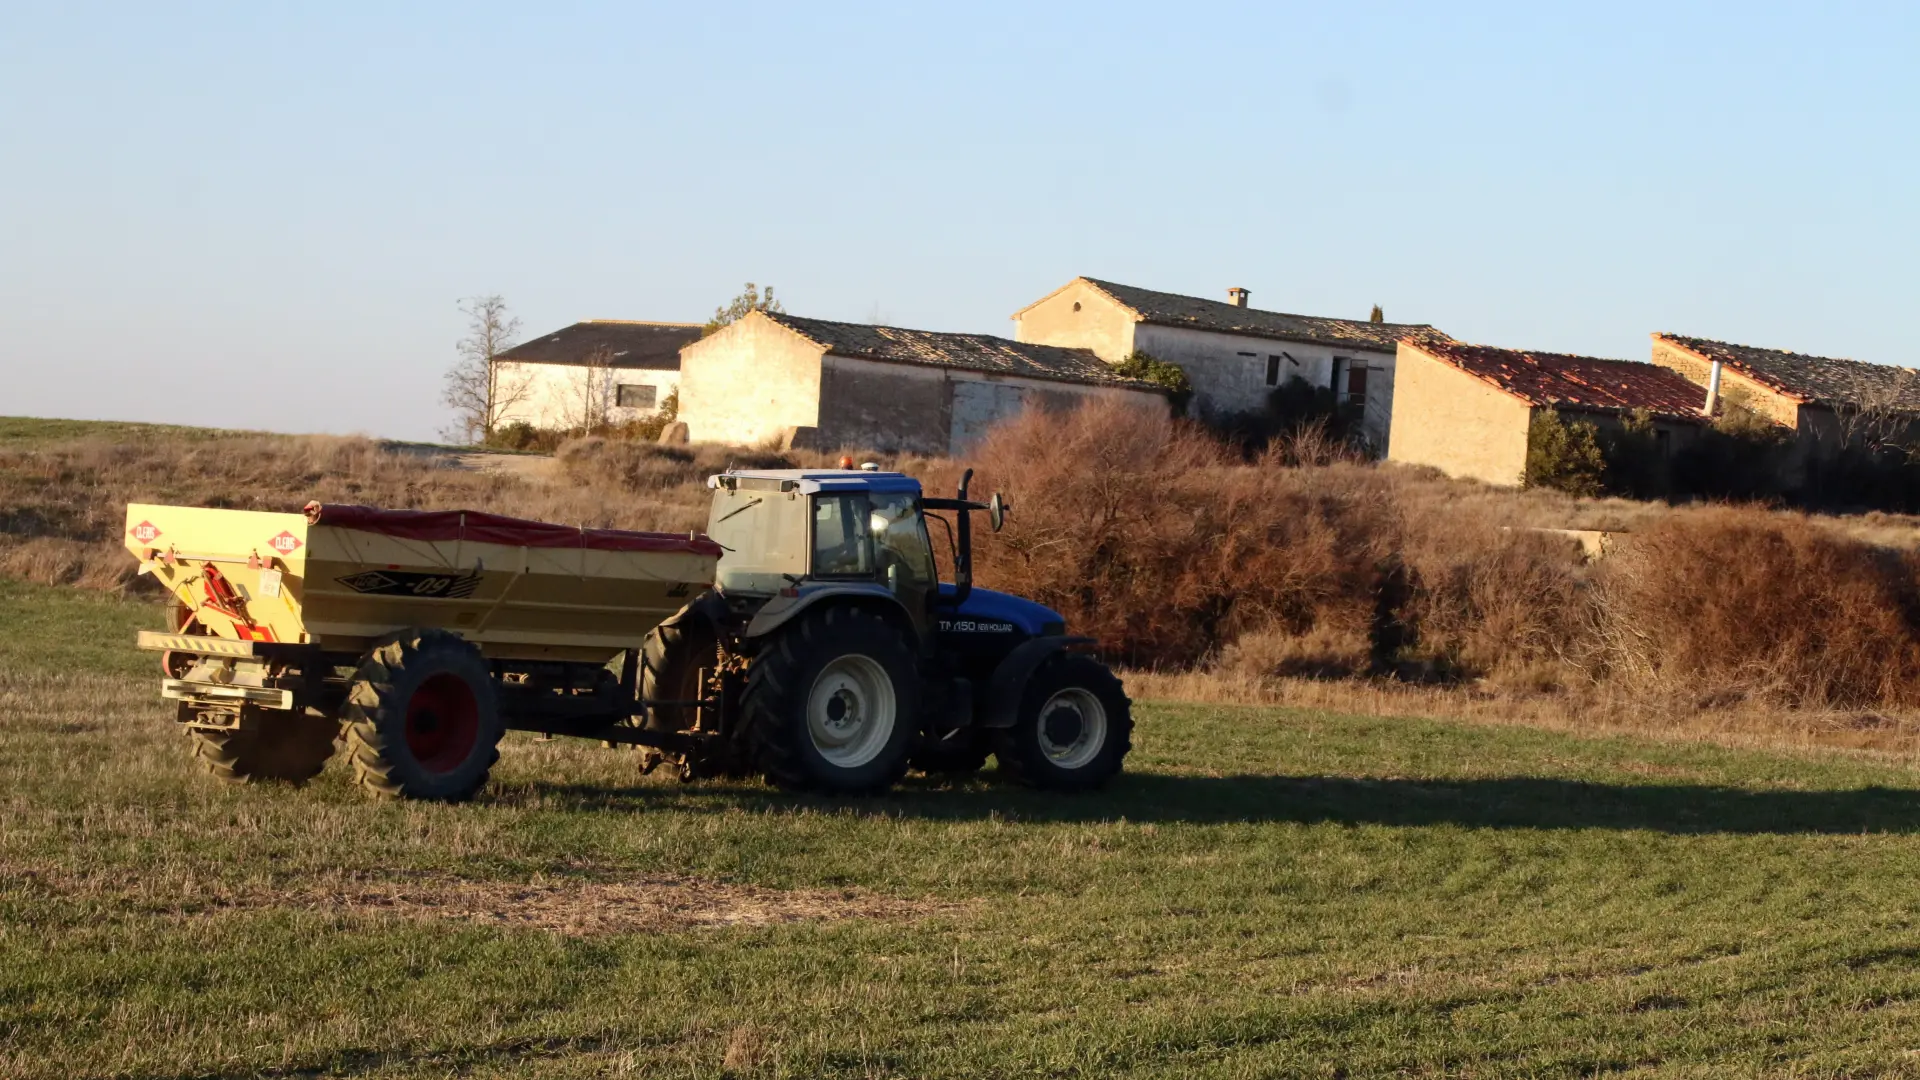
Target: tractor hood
pixel 1026 616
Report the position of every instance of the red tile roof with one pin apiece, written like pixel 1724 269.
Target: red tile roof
pixel 1576 382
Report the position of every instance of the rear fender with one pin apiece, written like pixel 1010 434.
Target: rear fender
pixel 1002 705
pixel 707 608
pixel 782 610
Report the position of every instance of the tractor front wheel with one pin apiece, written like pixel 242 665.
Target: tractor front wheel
pixel 290 747
pixel 1074 728
pixel 423 718
pixel 832 705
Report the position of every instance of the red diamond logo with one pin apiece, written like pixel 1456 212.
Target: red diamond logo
pixel 286 543
pixel 146 532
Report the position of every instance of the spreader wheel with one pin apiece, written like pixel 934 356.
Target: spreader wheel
pixel 290 747
pixel 423 719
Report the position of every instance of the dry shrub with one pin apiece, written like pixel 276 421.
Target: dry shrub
pixel 1481 599
pixel 1142 533
pixel 1333 648
pixel 645 466
pixel 1746 605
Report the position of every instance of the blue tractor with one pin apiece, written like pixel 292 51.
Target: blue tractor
pixel 830 657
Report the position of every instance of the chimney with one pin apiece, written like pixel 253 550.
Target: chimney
pixel 1237 297
pixel 1713 389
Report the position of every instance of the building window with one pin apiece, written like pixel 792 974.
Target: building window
pixel 1273 371
pixel 1356 385
pixel 635 396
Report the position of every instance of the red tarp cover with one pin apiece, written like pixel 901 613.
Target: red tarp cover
pixel 498 529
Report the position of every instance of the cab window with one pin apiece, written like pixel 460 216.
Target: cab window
pixel 905 556
pixel 842 541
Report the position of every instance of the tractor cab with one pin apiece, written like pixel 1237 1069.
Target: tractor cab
pixel 792 536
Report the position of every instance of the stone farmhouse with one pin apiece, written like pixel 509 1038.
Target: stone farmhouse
pixel 1821 399
pixel 773 378
pixel 1467 409
pixel 601 370
pixel 1233 353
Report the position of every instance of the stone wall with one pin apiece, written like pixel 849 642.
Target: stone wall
pixel 1734 387
pixel 750 383
pixel 905 407
pixel 1229 372
pixel 889 407
pixel 1079 317
pixel 554 395
pixel 1450 420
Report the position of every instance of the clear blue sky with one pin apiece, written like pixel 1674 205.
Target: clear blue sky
pixel 263 214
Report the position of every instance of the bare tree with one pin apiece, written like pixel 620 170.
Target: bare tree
pixel 590 408
pixel 1882 419
pixel 477 390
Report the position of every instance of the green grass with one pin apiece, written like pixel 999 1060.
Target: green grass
pixel 1267 892
pixel 21 431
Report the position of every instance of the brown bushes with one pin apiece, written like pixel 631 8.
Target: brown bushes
pixel 1144 536
pixel 1739 605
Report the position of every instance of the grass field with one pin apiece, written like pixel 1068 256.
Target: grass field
pixel 1267 892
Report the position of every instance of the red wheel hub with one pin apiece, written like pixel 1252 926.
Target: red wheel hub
pixel 443 723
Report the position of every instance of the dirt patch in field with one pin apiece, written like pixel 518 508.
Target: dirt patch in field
pixel 585 909
pixel 573 907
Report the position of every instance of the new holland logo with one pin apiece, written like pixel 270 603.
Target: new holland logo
pixel 407 583
pixel 286 543
pixel 146 532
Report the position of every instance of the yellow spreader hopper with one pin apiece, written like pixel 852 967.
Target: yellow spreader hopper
pixel 341 577
pixel 285 623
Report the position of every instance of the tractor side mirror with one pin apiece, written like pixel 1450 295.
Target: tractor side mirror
pixel 997 512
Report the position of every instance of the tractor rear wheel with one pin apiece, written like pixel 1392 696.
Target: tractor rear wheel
pixel 423 718
pixel 1074 727
pixel 290 747
pixel 832 705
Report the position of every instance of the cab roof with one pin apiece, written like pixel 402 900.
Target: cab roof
pixel 811 481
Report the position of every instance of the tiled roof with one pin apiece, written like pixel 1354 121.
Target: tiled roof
pixel 650 345
pixel 965 352
pixel 1577 382
pixel 1822 379
pixel 1173 309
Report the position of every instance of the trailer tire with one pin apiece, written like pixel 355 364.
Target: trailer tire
pixel 832 704
pixel 1073 730
pixel 670 661
pixel 423 718
pixel 291 748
